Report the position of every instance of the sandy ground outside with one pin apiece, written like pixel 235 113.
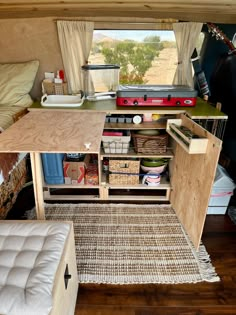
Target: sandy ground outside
pixel 163 68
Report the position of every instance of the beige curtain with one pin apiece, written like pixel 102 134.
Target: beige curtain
pixel 75 39
pixel 186 35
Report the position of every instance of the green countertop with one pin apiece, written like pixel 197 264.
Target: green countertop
pixel 202 110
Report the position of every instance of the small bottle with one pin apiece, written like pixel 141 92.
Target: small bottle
pixel 105 165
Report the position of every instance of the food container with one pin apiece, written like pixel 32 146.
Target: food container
pixel 151 179
pixel 100 79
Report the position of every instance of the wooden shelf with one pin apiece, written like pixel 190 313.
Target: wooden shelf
pixel 164 184
pixel 144 125
pixel 71 192
pixel 133 154
pixel 138 198
pixel 71 197
pixel 70 186
pixel 160 192
pixel 191 145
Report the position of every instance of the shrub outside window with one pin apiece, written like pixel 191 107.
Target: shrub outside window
pixel 145 57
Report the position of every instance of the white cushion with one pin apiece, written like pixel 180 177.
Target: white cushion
pixel 30 253
pixel 16 81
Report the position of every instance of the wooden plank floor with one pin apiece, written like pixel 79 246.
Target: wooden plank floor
pixel 186 299
pixel 219 237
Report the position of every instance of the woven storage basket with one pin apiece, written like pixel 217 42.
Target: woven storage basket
pixel 122 172
pixel 11 187
pixel 150 144
pixel 55 88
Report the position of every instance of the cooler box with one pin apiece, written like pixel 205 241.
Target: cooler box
pixel 156 95
pixel 221 192
pixel 53 168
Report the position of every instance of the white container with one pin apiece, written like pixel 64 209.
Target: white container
pixel 116 144
pixel 62 100
pixel 221 192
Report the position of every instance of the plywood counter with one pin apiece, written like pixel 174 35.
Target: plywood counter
pixel 50 131
pixel 203 109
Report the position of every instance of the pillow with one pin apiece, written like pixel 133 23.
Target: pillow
pixel 16 81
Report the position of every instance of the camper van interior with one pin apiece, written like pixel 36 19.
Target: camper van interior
pixel 111 112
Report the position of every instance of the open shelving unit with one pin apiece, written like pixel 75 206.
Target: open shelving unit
pixel 115 192
pixel 160 192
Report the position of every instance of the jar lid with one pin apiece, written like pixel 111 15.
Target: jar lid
pixel 137 119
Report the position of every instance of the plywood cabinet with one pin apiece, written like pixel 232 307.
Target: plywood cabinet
pixel 192 178
pixel 190 175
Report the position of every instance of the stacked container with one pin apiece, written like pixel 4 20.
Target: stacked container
pixel 222 191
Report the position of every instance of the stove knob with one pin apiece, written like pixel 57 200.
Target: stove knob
pixel 125 102
pixel 178 103
pixel 135 102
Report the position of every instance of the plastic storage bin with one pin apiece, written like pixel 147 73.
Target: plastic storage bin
pixel 221 192
pixel 53 168
pixel 100 79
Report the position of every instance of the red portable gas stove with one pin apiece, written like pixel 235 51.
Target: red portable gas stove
pixel 156 95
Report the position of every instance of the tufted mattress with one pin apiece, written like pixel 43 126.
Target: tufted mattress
pixel 30 254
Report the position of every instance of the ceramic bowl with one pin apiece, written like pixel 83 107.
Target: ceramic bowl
pixel 148 132
pixel 153 162
pixel 154 170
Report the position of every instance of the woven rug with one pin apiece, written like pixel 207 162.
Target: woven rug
pixel 129 244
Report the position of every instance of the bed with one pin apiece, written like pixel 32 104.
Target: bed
pixel 16 82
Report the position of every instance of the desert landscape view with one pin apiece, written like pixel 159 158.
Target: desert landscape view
pixel 163 67
pixel 162 70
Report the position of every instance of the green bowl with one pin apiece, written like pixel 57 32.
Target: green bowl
pixel 153 162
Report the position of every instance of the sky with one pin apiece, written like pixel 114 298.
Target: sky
pixel 137 35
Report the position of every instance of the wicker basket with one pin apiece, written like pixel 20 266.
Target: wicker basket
pixel 150 144
pixel 11 187
pixel 122 172
pixel 55 88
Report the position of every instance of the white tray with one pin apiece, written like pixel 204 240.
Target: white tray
pixel 61 100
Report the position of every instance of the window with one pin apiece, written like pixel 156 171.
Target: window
pixel 199 43
pixel 145 57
